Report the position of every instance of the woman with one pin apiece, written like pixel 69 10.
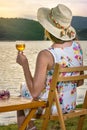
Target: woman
pixel 64 50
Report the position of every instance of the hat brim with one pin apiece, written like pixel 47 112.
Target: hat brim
pixel 43 18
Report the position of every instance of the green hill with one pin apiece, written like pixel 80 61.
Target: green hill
pixel 20 29
pixel 25 29
pixel 80 24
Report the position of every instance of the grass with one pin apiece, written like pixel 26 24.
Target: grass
pixel 9 127
pixel 71 124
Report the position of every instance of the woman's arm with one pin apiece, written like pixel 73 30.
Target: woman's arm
pixel 37 83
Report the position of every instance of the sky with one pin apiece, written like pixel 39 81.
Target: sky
pixel 28 8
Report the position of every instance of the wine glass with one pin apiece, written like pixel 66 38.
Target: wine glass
pixel 20 47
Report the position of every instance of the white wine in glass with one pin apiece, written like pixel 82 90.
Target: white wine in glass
pixel 20 47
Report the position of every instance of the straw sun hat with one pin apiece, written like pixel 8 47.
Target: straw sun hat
pixel 57 21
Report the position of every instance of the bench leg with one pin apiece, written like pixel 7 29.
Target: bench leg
pixel 81 120
pixel 45 119
pixel 59 110
pixel 27 119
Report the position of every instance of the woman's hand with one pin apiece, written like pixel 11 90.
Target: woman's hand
pixel 21 59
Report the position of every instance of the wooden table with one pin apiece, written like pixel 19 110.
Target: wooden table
pixel 20 103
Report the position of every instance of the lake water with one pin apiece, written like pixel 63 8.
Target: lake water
pixel 11 74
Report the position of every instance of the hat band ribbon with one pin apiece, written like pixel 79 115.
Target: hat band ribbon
pixel 64 31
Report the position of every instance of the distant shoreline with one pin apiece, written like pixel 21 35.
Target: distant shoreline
pixel 26 29
pixel 30 40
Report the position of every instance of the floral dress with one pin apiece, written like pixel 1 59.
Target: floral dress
pixel 67 57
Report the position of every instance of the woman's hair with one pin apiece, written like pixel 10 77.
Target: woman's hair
pixel 53 38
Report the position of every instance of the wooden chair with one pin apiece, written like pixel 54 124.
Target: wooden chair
pixel 54 95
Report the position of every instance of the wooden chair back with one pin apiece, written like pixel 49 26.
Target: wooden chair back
pixel 53 94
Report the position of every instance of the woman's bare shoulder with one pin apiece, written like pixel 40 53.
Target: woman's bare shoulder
pixel 45 57
pixel 45 54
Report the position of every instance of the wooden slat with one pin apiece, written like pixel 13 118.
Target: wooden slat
pixel 19 103
pixel 76 113
pixel 73 114
pixel 72 78
pixel 73 69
